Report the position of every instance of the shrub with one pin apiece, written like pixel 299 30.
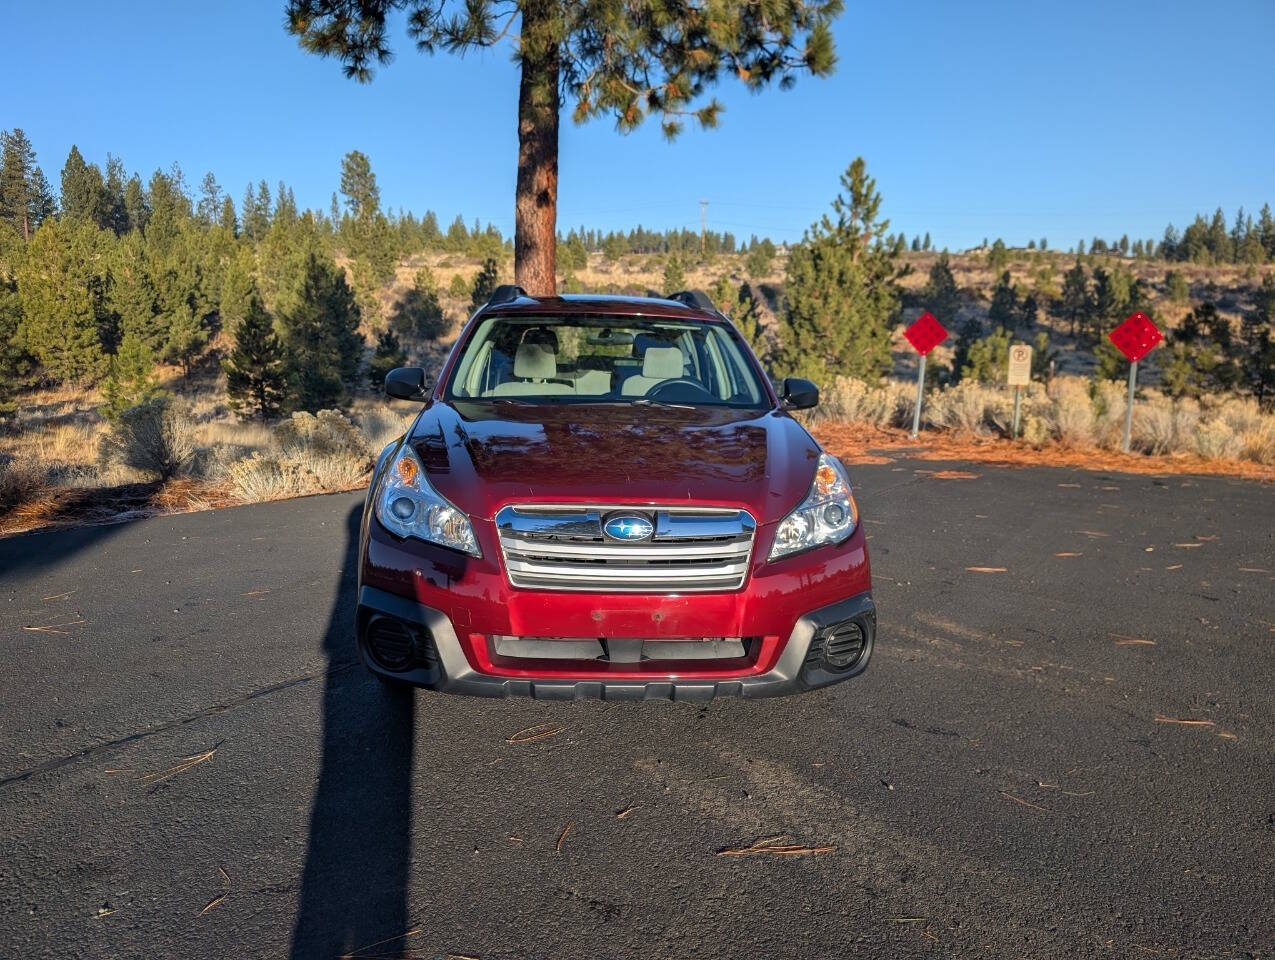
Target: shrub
pixel 20 481
pixel 313 453
pixel 960 408
pixel 156 437
pixel 1073 413
pixel 1215 440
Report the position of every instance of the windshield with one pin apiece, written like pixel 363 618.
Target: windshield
pixel 586 359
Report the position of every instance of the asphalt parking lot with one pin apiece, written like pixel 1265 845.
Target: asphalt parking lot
pixel 1063 747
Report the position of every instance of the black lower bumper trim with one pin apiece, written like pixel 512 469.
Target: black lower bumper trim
pixel 451 671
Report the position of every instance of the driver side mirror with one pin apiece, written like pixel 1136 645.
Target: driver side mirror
pixel 799 394
pixel 407 383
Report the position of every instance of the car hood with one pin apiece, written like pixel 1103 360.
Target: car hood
pixel 483 455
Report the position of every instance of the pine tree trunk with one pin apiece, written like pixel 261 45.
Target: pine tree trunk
pixel 536 198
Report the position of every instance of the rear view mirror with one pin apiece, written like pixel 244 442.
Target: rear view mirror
pixel 407 383
pixel 800 394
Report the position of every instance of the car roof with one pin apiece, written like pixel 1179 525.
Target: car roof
pixel 601 303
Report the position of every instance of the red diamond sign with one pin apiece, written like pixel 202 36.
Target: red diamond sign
pixel 925 333
pixel 1136 337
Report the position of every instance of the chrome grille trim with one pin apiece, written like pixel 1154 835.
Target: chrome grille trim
pixel 562 547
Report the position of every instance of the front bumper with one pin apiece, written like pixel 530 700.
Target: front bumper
pixel 442 663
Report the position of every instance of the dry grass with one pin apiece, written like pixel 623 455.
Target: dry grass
pixel 1074 414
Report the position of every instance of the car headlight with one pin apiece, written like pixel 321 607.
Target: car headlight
pixel 827 515
pixel 408 506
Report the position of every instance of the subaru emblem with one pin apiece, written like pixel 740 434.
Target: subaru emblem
pixel 628 527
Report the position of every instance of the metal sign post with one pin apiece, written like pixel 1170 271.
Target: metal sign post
pixel 1018 376
pixel 925 333
pixel 920 394
pixel 1128 412
pixel 1135 338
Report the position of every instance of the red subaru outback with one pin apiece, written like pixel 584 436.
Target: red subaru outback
pixel 604 497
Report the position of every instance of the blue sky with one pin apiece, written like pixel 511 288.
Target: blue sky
pixel 1021 120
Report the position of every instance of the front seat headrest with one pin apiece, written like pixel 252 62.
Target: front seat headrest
pixel 535 361
pixel 662 363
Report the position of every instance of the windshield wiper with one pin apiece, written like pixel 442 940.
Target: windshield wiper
pixel 649 402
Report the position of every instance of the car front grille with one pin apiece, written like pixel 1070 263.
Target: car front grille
pixel 690 549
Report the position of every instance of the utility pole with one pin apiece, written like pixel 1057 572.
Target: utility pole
pixel 703 227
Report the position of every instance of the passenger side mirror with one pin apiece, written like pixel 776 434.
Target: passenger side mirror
pixel 799 394
pixel 407 383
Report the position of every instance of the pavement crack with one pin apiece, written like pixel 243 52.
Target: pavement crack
pixel 97 749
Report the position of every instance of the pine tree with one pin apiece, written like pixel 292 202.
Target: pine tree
pixel 842 290
pixel 1266 231
pixel 62 304
pixel 14 360
pixel 322 347
pixel 136 205
pixel 116 208
pixel 185 336
pixel 925 244
pixel 358 185
pixel 986 359
pixel 209 207
pixel 132 296
pixel 484 284
pixel 131 378
pixel 627 61
pixel 227 220
pixel 84 191
pixel 25 198
pixel 254 369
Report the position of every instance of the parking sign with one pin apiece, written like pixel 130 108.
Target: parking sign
pixel 1020 365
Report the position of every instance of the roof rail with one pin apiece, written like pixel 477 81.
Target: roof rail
pixel 694 298
pixel 505 293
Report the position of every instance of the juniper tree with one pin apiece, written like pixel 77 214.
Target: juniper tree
pixel 940 295
pixel 484 284
pixel 1076 302
pixel 625 61
pixel 1258 337
pixel 418 311
pixel 1202 354
pixel 737 302
pixel 842 294
pixel 759 260
pixel 674 276
pixel 1004 311
pixel 389 353
pixel 254 368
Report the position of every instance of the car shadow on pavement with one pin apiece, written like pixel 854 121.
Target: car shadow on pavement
pixel 354 883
